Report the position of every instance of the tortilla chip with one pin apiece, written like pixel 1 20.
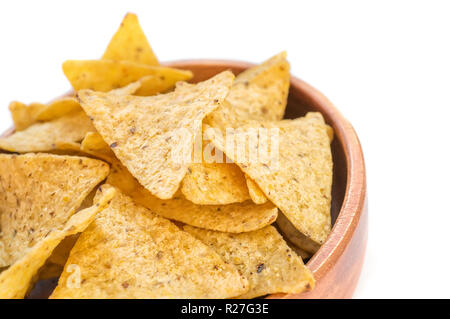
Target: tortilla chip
pixel 233 218
pixel 300 185
pixel 42 137
pixel 130 44
pixel 125 229
pixel 106 75
pixel 214 183
pixel 259 93
pixel 24 115
pixel 147 133
pixel 58 108
pixel 15 281
pixel 54 265
pixel 256 194
pixel 39 192
pixel 263 257
pixel 94 144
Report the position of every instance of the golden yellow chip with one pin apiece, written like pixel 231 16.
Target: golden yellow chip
pixel 233 218
pixel 39 192
pixel 154 136
pixel 106 75
pixel 42 137
pixel 15 281
pixel 54 265
pixel 263 257
pixel 94 144
pixel 130 252
pixel 58 108
pixel 298 179
pixel 129 43
pixel 259 93
pixel 214 183
pixel 24 115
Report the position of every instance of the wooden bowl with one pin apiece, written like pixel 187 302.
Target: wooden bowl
pixel 337 265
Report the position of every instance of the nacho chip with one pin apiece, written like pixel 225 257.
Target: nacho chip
pixel 58 108
pixel 214 183
pixel 233 218
pixel 256 194
pixel 106 75
pixel 263 257
pixel 129 43
pixel 259 93
pixel 42 137
pixel 149 134
pixel 125 229
pixel 94 144
pixel 39 192
pixel 300 182
pixel 24 115
pixel 15 281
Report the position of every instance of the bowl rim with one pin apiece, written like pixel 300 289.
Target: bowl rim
pixel 355 192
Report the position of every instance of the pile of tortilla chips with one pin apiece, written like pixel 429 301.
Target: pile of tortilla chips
pixel 129 188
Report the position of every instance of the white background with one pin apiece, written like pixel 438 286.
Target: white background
pixel 385 64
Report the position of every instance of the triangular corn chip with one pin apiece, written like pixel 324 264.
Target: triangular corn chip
pixel 233 218
pixel 210 183
pixel 147 133
pixel 130 252
pixel 263 257
pixel 106 75
pixel 15 281
pixel 39 192
pixel 27 115
pixel 129 43
pixel 230 218
pixel 259 93
pixel 41 137
pixel 24 115
pixel 215 184
pixel 299 180
pixel 58 108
